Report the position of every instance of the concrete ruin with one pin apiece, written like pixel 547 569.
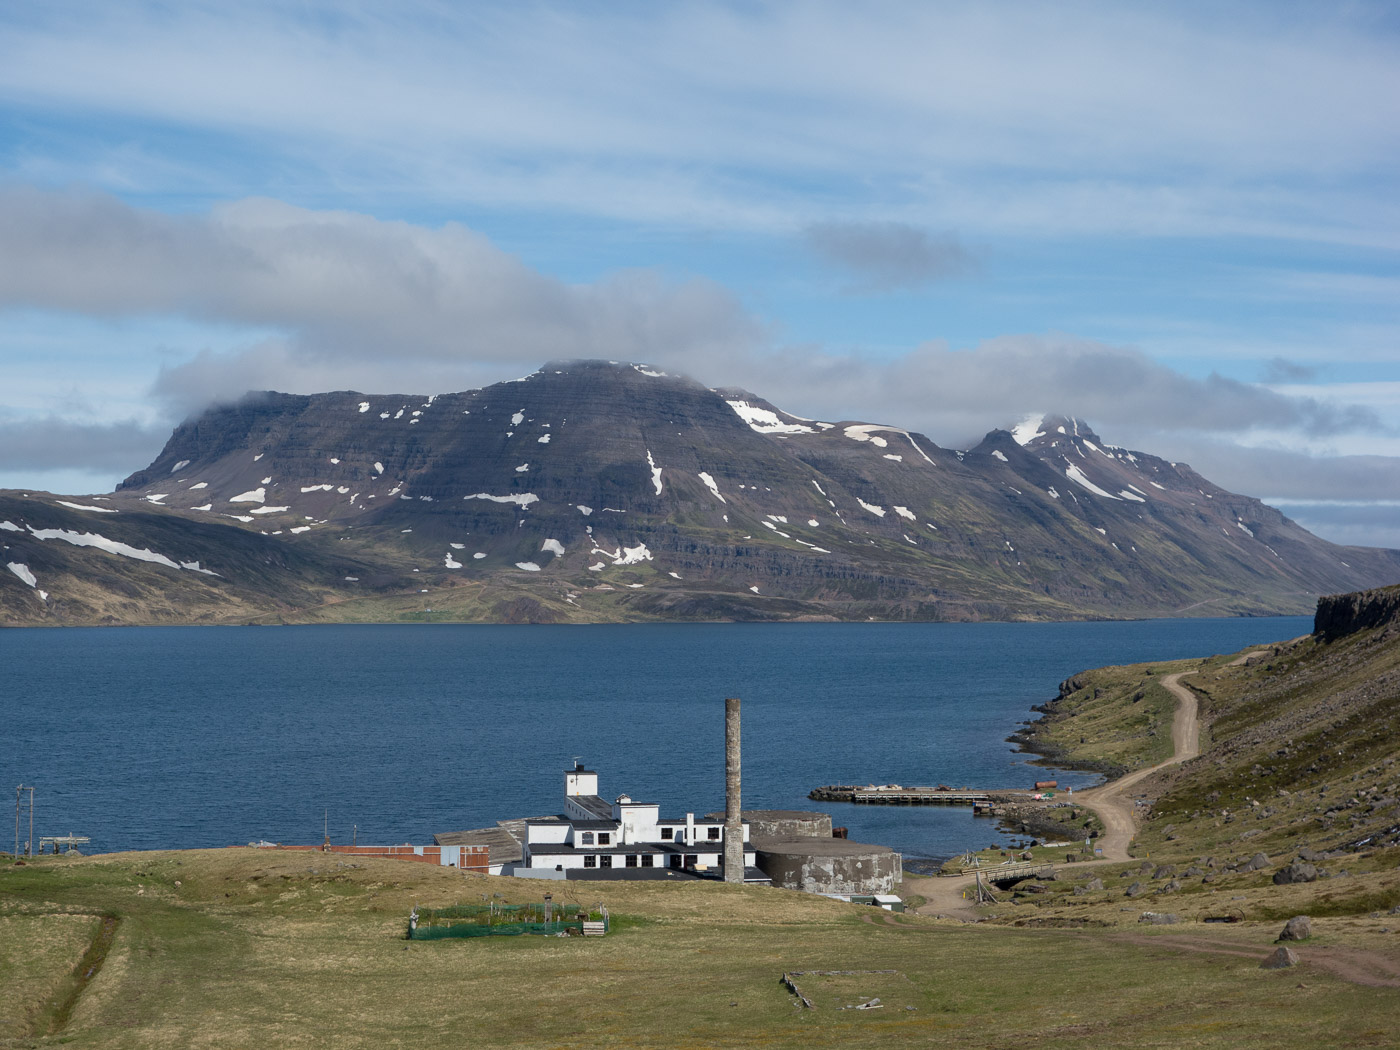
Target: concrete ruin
pixel 829 865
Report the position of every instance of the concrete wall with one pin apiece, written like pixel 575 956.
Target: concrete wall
pixel 831 866
pixel 788 824
pixel 467 858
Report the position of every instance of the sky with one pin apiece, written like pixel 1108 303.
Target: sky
pixel 1178 222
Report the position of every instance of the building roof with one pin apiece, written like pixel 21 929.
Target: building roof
pixel 593 804
pixel 505 847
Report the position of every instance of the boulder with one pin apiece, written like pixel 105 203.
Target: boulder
pixel 1194 872
pixel 1157 918
pixel 1166 871
pixel 1133 890
pixel 1298 871
pixel 1097 884
pixel 1298 928
pixel 1281 959
pixel 1170 886
pixel 1257 862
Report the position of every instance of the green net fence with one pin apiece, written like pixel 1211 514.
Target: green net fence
pixel 501 920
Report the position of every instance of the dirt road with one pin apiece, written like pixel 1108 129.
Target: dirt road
pixel 1112 803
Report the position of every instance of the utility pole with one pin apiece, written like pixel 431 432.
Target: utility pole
pixel 19 797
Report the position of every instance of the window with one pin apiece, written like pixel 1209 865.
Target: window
pixel 631 860
pixel 585 838
pixel 604 838
pixel 666 833
pixel 647 860
pixel 714 834
pixel 607 860
pixel 590 861
pixel 691 860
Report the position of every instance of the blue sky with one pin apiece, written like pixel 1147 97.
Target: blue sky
pixel 1179 222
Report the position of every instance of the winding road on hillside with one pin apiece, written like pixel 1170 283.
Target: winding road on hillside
pixel 1112 803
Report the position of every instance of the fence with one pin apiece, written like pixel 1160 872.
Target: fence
pixel 505 920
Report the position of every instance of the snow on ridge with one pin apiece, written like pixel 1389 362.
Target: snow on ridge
pixel 269 510
pixel 180 466
pixel 712 486
pixel 93 539
pixel 862 432
pixel 552 545
pixel 1026 431
pixel 655 472
pixel 1000 455
pixel 1125 494
pixel 1078 477
pixel 84 506
pixel 22 571
pixel 879 512
pixel 364 406
pixel 258 495
pixel 199 485
pixel 648 372
pixel 316 488
pixel 765 420
pixel 523 499
pixel 905 512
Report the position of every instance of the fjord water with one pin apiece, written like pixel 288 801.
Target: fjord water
pixel 173 737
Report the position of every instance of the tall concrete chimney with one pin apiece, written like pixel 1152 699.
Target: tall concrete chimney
pixel 733 823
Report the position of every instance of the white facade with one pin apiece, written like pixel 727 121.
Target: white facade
pixel 594 835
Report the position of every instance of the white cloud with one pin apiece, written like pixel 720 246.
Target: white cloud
pixel 1022 116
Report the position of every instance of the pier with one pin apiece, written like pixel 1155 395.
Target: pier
pixel 897 795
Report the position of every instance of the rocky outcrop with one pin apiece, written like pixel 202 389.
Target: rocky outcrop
pixel 1339 615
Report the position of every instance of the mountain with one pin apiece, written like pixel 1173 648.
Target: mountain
pixel 593 491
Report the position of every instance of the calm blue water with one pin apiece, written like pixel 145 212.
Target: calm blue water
pixel 208 736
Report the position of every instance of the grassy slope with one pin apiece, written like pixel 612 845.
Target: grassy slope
pixel 256 948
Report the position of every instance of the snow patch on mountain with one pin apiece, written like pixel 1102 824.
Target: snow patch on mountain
pixel 1077 476
pixel 84 506
pixel 710 484
pixel 22 571
pixel 1026 431
pixel 523 499
pixel 655 472
pixel 766 421
pixel 258 495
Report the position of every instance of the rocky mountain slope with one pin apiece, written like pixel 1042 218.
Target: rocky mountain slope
pixel 592 491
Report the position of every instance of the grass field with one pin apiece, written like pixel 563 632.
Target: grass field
pixel 239 948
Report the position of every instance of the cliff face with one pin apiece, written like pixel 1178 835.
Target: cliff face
pixel 1339 615
pixel 601 491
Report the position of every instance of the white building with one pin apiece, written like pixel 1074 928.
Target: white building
pixel 593 838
